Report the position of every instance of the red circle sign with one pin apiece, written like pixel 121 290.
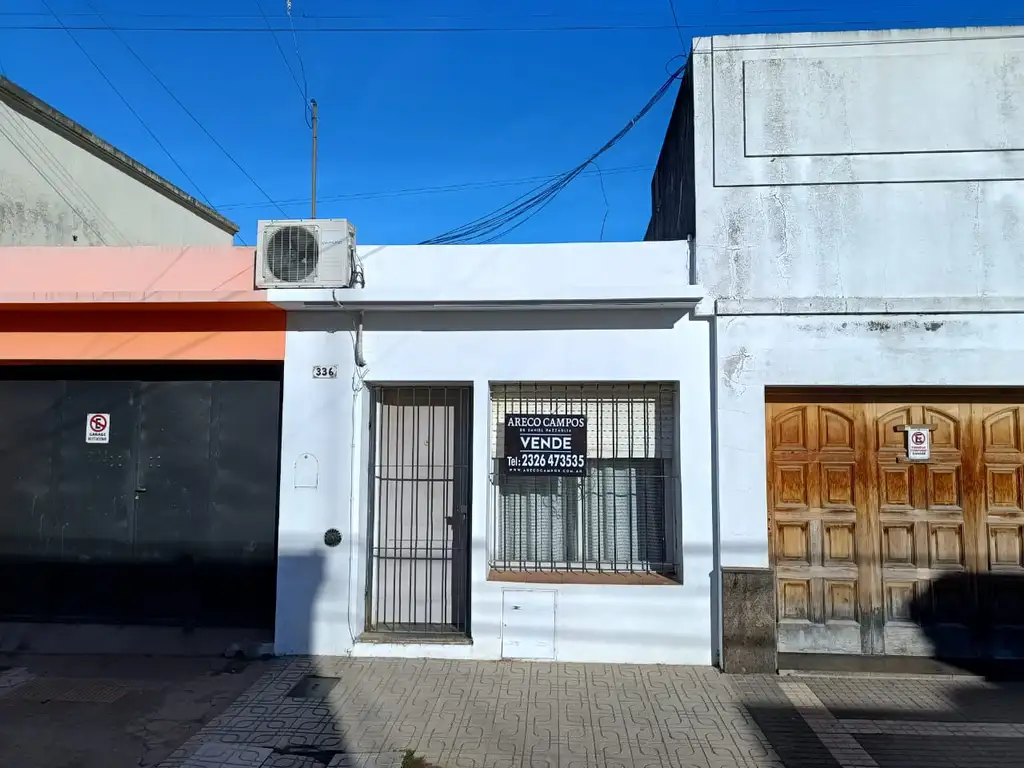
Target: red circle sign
pixel 98 423
pixel 918 438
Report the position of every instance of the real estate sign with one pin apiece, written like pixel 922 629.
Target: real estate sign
pixel 546 444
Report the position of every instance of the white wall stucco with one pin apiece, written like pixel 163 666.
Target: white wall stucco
pixel 321 590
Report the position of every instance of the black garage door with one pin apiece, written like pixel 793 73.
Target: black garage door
pixel 172 521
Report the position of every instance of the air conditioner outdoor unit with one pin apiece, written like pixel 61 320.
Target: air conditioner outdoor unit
pixel 305 253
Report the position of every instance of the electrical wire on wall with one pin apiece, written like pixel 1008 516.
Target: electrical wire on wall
pixel 513 215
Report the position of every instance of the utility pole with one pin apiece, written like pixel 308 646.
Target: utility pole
pixel 312 103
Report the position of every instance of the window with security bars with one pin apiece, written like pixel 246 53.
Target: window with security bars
pixel 618 516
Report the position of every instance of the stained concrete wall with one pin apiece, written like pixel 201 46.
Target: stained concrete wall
pixel 56 192
pixel 860 164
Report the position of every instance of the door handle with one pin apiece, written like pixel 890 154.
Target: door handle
pixel 140 490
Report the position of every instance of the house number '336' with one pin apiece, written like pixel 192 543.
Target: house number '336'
pixel 325 371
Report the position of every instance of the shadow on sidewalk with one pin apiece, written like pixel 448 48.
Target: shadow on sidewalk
pixel 295 720
pixel 974 622
pixel 973 715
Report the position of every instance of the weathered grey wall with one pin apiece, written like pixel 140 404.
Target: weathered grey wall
pixel 860 164
pixel 54 192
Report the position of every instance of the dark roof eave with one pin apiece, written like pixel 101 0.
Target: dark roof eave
pixel 31 106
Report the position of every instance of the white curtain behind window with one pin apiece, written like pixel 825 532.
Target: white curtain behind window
pixel 623 513
pixel 537 519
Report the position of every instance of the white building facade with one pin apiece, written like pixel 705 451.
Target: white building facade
pixel 857 206
pixel 401 533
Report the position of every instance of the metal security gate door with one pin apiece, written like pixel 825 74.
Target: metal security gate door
pixel 419 522
pixel 205 505
pixel 171 521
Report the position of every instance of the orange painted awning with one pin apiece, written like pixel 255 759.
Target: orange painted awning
pixel 135 304
pixel 129 275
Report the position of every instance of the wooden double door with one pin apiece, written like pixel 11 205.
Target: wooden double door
pixel 875 554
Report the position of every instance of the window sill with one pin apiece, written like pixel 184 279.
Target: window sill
pixel 578 577
pixel 405 638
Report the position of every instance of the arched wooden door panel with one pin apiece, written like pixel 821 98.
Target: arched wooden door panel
pixel 815 481
pixel 1000 525
pixel 925 532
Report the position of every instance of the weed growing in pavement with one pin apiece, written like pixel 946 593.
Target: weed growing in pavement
pixel 412 760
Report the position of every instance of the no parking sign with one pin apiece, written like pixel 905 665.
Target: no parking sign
pixel 919 443
pixel 97 428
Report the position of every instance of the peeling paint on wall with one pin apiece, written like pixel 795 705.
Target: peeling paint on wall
pixel 44 221
pixel 733 368
pixel 53 192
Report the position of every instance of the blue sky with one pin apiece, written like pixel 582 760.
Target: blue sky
pixel 402 114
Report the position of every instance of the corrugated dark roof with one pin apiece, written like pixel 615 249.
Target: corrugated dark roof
pixel 35 108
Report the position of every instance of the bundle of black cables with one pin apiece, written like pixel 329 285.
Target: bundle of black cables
pixel 513 215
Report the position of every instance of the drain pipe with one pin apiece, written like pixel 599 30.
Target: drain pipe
pixel 357 389
pixel 717 617
pixel 361 369
pixel 358 342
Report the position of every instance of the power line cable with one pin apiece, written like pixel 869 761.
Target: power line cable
pixel 730 28
pixel 284 57
pixel 127 104
pixel 513 215
pixel 352 29
pixel 65 180
pixel 85 219
pixel 70 182
pixel 341 29
pixel 298 56
pixel 675 20
pixel 415 191
pixel 194 119
pixel 303 89
pixel 357 16
pixel 604 194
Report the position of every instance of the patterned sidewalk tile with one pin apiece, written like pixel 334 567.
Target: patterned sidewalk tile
pixel 889 722
pixel 483 714
pixel 456 714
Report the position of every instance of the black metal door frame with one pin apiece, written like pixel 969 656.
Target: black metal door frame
pixel 460 396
